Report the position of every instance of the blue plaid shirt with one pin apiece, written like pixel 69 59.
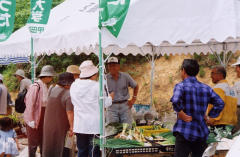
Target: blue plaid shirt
pixel 193 97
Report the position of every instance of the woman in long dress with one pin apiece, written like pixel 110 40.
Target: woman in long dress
pixel 58 117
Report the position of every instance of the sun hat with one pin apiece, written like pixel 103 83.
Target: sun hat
pixel 20 72
pixel 1 77
pixel 87 69
pixel 112 60
pixel 237 63
pixel 47 70
pixel 74 69
pixel 65 79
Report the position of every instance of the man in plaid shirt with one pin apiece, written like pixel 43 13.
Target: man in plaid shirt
pixel 190 100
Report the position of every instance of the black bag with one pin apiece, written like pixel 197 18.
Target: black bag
pixel 19 102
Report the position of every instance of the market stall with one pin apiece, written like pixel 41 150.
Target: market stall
pixel 149 24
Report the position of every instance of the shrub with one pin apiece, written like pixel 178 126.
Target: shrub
pixel 9 80
pixel 197 57
pixel 166 56
pixel 201 72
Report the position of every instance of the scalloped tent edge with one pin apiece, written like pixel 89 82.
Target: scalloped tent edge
pixel 192 30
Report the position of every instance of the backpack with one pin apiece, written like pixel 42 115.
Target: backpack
pixel 19 102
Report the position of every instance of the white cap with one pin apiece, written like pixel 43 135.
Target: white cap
pixel 237 63
pixel 87 69
pixel 112 60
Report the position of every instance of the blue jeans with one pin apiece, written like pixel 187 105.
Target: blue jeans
pixel 85 146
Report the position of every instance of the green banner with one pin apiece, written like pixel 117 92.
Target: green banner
pixel 40 10
pixel 112 14
pixel 7 17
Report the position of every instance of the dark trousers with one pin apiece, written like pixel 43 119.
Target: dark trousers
pixel 35 136
pixel 85 146
pixel 66 152
pixel 184 147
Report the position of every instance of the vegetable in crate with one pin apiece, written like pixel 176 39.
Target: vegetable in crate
pixel 119 143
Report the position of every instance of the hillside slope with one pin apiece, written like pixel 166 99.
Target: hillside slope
pixel 167 74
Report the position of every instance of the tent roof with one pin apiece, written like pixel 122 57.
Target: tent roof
pixel 72 27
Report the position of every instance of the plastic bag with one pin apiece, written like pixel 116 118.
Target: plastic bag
pixel 69 141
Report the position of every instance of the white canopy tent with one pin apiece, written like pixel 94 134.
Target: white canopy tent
pixel 72 27
pixel 150 28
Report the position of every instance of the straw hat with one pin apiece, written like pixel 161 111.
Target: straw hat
pixel 237 63
pixel 20 72
pixel 87 69
pixel 47 70
pixel 65 79
pixel 74 69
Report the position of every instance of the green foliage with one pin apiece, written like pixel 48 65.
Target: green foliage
pixel 155 101
pixel 166 56
pixel 213 59
pixel 171 79
pixel 133 59
pixel 60 63
pixel 22 13
pixel 197 57
pixel 123 61
pixel 9 79
pixel 201 72
pixel 133 73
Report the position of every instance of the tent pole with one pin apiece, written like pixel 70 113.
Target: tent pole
pixel 152 76
pixel 32 61
pixel 101 99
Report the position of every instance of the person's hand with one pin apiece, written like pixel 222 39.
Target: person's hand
pixel 183 116
pixel 209 120
pixel 31 124
pixel 131 102
pixel 112 95
pixel 18 147
pixel 70 132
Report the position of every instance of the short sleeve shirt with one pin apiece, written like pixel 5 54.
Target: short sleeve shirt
pixel 65 99
pixel 24 84
pixel 120 86
pixel 8 134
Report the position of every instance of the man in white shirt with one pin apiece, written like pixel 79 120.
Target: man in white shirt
pixel 236 88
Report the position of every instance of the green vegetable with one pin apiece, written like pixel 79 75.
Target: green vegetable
pixel 119 143
pixel 170 139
